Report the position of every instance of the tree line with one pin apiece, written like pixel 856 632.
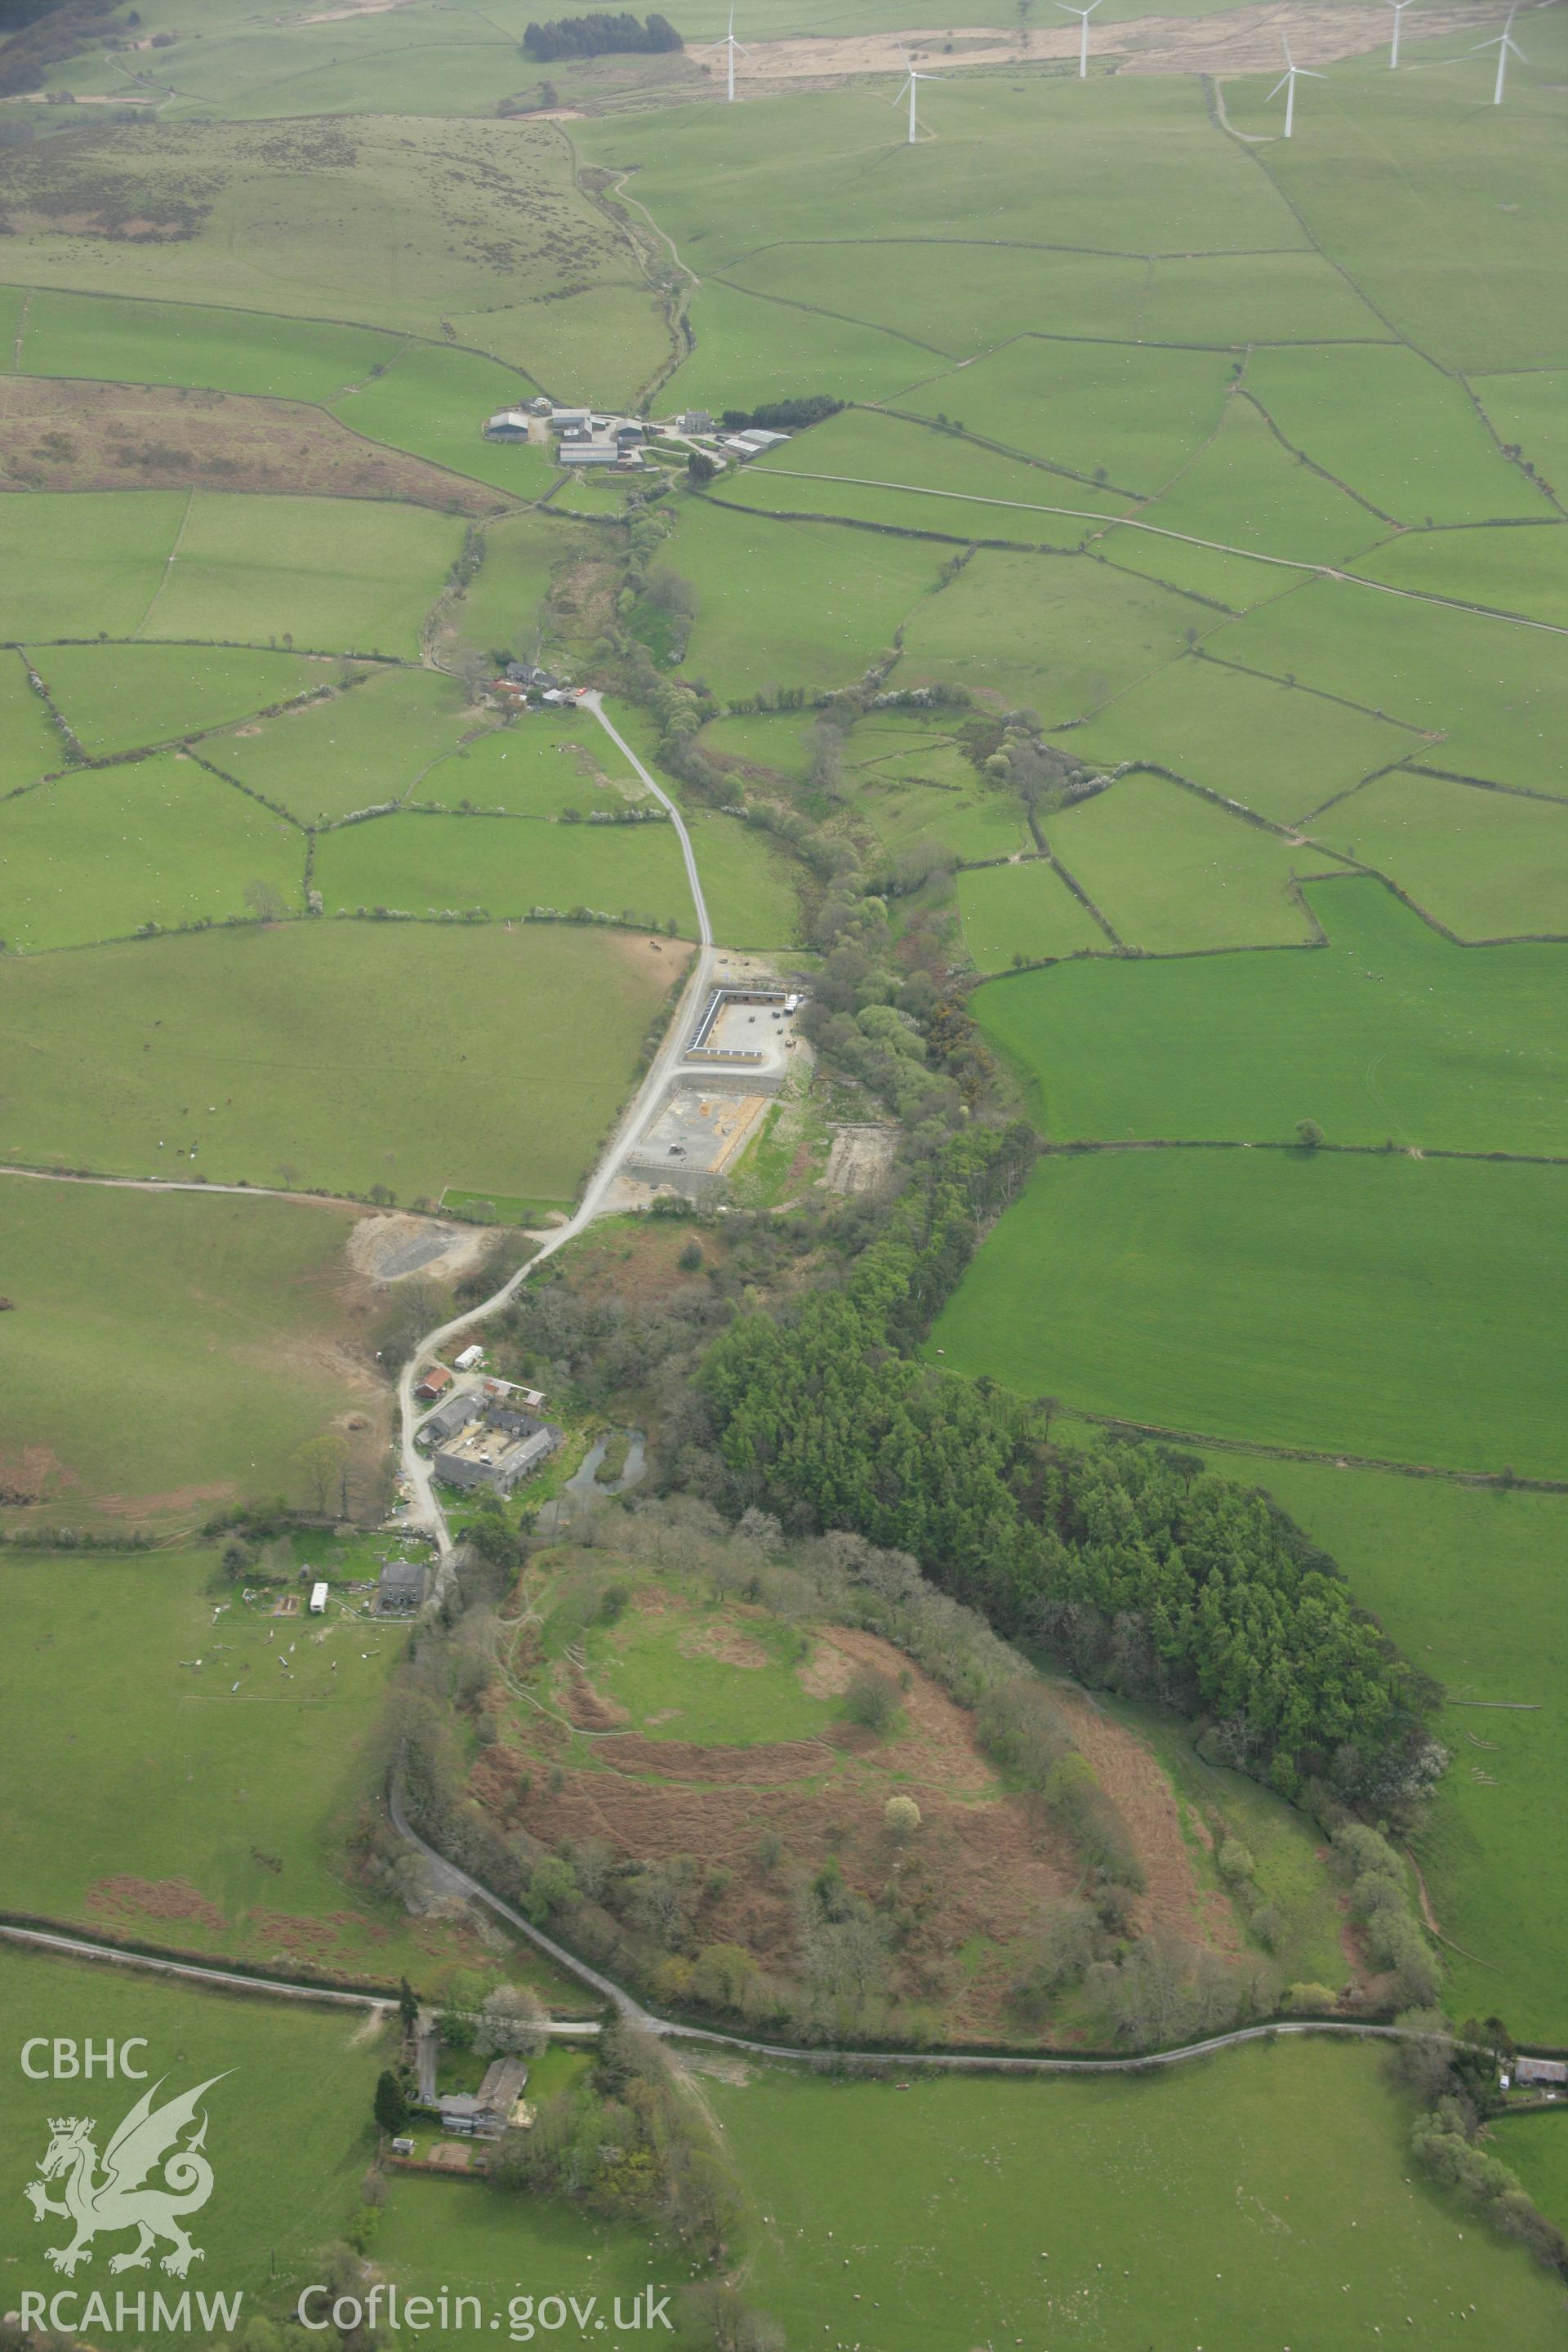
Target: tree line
pixel 600 34
pixel 1143 1570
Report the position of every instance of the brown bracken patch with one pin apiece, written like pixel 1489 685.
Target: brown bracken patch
pixel 125 1898
pixel 71 435
pixel 1136 1785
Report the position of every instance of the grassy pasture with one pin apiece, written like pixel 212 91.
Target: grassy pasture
pixel 658 1665
pixel 1245 489
pixel 101 852
pixel 1513 571
pixel 1096 2209
pixel 373 743
pixel 334 1053
pixel 795 604
pixel 1172 871
pixel 1091 164
pixel 1024 911
pixel 186 343
pixel 1274 750
pixel 750 348
pixel 1119 412
pixel 1395 429
pixel 348 573
pixel 212 1335
pixel 1498 693
pixel 85 564
pixel 290 2133
pixel 1383 1306
pixel 501 606
pixel 434 402
pixel 420 865
pixel 912 786
pixel 1054 633
pixel 1253 297
pixel 1225 583
pixel 1537 2149
pixel 1530 411
pixel 1468 1583
pixel 1389 1031
pixel 603 344
pixel 1442 210
pixel 116 698
pixel 751 887
pixel 538 766
pixel 438 2234
pixel 30 743
pixel 1489 865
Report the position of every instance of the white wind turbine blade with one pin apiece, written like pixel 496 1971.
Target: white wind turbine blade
pixel 1276 89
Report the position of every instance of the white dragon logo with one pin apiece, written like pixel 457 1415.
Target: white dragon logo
pixel 143 2143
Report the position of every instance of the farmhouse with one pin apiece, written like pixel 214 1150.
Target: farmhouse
pixel 434 1382
pixel 401 1590
pixel 498 1449
pixel 694 420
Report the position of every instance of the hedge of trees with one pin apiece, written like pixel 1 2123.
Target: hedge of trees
pixel 1143 1570
pixel 599 35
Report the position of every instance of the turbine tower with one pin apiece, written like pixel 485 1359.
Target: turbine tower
pixel 1502 43
pixel 1083 15
pixel 916 76
pixel 731 45
pixel 1398 6
pixel 1287 82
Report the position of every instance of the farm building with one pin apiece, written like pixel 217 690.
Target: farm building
pixel 401 1590
pixel 498 1448
pixel 508 424
pixel 455 1414
pixel 1548 2072
pixel 472 1354
pixel 562 418
pixel 435 1381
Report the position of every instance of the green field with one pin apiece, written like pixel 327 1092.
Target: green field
pixel 751 349
pixel 341 1055
pixel 1467 1583
pixel 1024 912
pixel 289 2133
pixel 107 851
pixel 87 564
pixel 378 742
pixel 214 1335
pixel 1278 752
pixel 1536 2149
pixel 751 887
pixel 418 865
pixel 542 764
pixel 1388 1032
pixel 433 402
pixel 118 697
pixel 182 343
pixel 1265 2197
pixel 1527 411
pixel 1171 872
pixel 30 743
pixel 1514 568
pixel 1390 1308
pixel 1488 865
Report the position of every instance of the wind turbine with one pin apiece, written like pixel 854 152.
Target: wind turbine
pixel 731 45
pixel 1398 6
pixel 916 76
pixel 1084 14
pixel 1287 82
pixel 1502 42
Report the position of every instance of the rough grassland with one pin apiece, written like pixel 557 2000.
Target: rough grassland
pixel 1389 1031
pixel 333 573
pixel 1470 1585
pixel 213 1336
pixel 290 2133
pixel 360 750
pixel 1024 911
pixel 1056 633
pixel 1171 872
pixel 1275 751
pixel 422 865
pixel 183 344
pixel 987 2211
pixel 100 853
pixel 793 604
pixel 1489 865
pixel 1116 410
pixel 499 608
pixel 116 698
pixel 1384 1307
pixel 345 1052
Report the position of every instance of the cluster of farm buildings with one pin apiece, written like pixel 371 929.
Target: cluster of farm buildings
pixel 591 438
pixel 489 1436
